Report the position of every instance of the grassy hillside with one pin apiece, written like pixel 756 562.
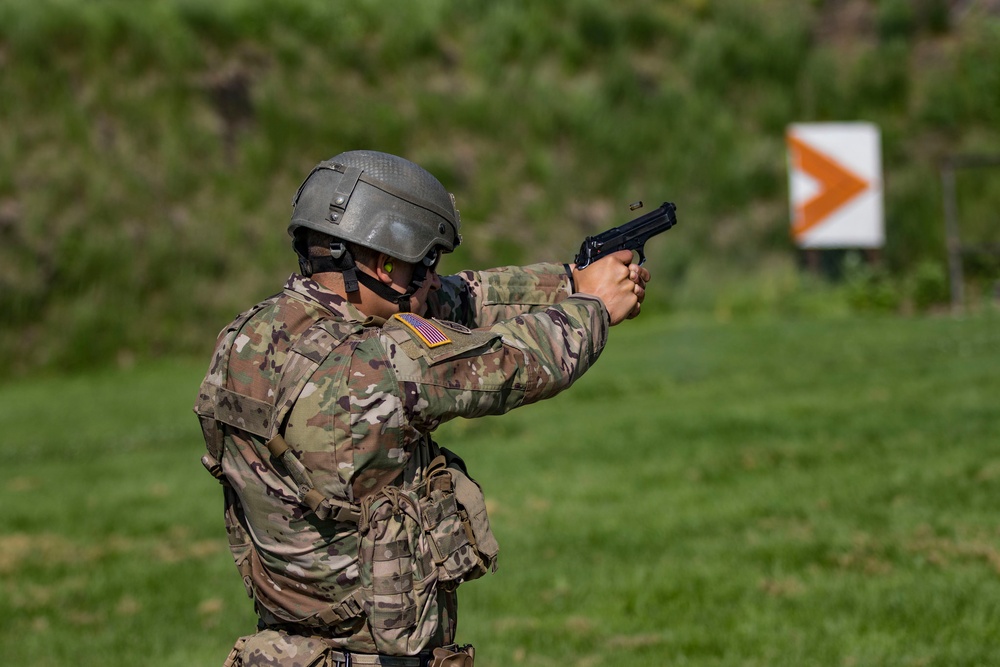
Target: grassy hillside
pixel 779 493
pixel 150 150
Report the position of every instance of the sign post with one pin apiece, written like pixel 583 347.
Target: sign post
pixel 835 185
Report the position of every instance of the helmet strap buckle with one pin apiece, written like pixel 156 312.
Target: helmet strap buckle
pixel 338 250
pixel 342 261
pixel 351 280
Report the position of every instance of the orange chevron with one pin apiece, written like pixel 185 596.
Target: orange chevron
pixel 839 185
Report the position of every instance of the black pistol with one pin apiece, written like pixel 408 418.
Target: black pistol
pixel 630 236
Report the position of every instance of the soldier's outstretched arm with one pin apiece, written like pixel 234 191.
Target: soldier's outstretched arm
pixel 446 371
pixel 479 299
pixel 483 298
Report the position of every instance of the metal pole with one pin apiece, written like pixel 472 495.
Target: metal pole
pixel 953 242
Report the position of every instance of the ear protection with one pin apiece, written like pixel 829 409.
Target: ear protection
pixel 387 267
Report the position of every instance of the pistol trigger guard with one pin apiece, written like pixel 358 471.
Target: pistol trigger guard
pixel 642 256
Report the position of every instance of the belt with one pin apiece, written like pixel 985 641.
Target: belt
pixel 338 657
pixel 453 654
pixel 345 659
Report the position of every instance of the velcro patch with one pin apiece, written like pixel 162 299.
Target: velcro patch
pixel 426 330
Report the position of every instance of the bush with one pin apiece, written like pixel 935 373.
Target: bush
pixel 929 286
pixel 870 288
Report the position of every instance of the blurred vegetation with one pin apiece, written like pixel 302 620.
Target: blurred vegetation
pixel 151 149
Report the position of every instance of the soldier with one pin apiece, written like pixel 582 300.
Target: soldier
pixel 350 526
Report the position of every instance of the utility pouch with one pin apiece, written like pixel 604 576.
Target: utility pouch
pixel 415 542
pixel 398 577
pixel 453 656
pixel 453 512
pixel 270 647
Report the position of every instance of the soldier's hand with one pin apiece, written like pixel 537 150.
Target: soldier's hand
pixel 616 281
pixel 639 275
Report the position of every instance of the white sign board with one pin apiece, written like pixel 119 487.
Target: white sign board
pixel 835 185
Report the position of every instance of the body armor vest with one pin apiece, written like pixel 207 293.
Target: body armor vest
pixel 413 541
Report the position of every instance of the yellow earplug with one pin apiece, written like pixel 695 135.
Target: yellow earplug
pixel 387 267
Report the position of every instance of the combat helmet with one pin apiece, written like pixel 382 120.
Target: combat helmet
pixel 378 201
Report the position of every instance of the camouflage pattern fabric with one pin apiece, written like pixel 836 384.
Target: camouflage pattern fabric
pixel 269 648
pixel 361 428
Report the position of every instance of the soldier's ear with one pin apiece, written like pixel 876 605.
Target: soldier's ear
pixel 384 267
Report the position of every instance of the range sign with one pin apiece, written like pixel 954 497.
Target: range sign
pixel 835 185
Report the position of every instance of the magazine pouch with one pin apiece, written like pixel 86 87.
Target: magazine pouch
pixel 454 517
pixel 398 575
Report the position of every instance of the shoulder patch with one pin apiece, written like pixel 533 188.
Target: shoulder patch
pixel 427 331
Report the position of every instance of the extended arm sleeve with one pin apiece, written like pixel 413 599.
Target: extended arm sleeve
pixel 483 298
pixel 525 359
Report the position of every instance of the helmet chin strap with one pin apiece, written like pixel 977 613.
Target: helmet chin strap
pixel 341 261
pixel 401 299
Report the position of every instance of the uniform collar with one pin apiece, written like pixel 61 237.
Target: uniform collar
pixel 311 292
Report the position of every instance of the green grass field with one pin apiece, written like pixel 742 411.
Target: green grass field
pixel 795 492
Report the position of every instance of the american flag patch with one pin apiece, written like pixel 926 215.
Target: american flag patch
pixel 425 330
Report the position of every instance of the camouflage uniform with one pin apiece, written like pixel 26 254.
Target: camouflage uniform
pixel 357 431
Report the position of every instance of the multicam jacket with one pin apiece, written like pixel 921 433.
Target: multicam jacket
pixel 317 421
